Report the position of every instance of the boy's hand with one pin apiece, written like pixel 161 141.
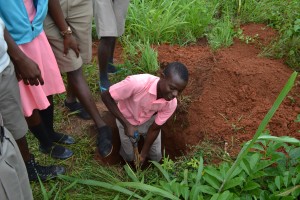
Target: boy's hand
pixel 28 71
pixel 142 159
pixel 130 130
pixel 70 43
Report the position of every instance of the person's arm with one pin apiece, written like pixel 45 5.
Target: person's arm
pixel 152 134
pixel 113 108
pixel 55 11
pixel 26 69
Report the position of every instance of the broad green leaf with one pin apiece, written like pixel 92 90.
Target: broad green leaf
pixel 224 167
pixel 166 186
pixel 296 180
pixel 212 181
pixel 225 195
pixel 130 173
pixel 195 192
pixel 277 182
pixel 213 172
pixel 246 166
pixel 200 170
pixel 185 193
pixel 254 159
pixel 250 185
pixel 295 153
pixel 215 196
pixel 285 139
pixel 258 147
pixel 175 187
pixel 207 189
pixel 185 177
pixel 152 189
pixel 263 164
pixel 261 127
pixel 164 172
pixel 286 178
pixel 233 182
pixel 236 172
pixel 258 174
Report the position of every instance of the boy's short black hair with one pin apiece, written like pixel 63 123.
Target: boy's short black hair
pixel 177 68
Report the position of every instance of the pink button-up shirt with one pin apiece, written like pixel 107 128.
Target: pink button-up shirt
pixel 137 99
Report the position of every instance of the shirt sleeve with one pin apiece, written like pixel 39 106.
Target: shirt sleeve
pixel 125 89
pixel 166 112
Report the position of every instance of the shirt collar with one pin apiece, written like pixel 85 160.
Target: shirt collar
pixel 153 90
pixel 153 87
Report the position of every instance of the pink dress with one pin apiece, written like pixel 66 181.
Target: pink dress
pixel 39 50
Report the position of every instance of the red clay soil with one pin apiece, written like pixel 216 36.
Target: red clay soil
pixel 229 93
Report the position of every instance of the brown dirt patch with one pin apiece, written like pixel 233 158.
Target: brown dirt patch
pixel 229 93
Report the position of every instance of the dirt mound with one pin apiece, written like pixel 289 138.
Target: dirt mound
pixel 229 93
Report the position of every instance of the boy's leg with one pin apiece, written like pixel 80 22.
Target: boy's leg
pixel 105 56
pixel 155 150
pixel 126 149
pixel 78 84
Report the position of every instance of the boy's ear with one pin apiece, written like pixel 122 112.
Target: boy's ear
pixel 162 74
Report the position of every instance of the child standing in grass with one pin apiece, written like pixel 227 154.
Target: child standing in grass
pixel 25 24
pixel 69 26
pixel 12 60
pixel 110 16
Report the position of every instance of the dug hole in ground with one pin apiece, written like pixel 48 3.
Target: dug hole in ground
pixel 229 93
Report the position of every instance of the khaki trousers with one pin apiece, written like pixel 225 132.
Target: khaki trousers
pixel 126 150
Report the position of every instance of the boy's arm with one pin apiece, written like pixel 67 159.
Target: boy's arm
pixel 57 16
pixel 113 108
pixel 25 68
pixel 152 134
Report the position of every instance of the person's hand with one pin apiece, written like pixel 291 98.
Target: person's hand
pixel 142 159
pixel 130 129
pixel 70 43
pixel 28 71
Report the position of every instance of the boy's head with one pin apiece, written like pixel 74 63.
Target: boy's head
pixel 173 80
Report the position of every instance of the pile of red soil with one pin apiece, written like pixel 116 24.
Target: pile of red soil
pixel 229 93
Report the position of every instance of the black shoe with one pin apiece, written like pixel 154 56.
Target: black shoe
pixel 58 152
pixel 77 107
pixel 62 138
pixel 104 141
pixel 35 170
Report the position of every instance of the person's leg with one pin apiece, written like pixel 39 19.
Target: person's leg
pixel 80 88
pixel 105 56
pixel 126 149
pixel 155 150
pixel 47 116
pixel 37 127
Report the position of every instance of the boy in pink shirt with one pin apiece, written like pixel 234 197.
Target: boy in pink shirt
pixel 143 103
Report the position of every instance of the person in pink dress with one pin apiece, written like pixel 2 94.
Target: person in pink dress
pixel 25 25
